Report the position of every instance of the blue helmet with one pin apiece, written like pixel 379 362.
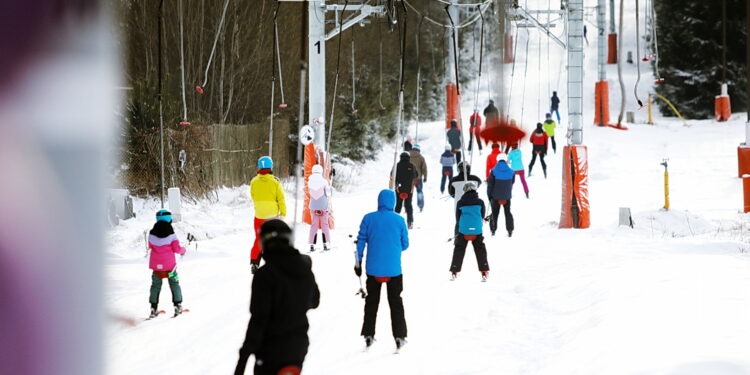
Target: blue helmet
pixel 164 215
pixel 265 162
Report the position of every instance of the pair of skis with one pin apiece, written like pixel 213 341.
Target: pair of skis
pixel 162 312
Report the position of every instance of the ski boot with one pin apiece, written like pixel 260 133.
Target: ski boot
pixel 369 340
pixel 400 342
pixel 545 172
pixel 410 225
pixel 154 312
pixel 485 275
pixel 454 275
pixel 177 309
pixel 527 195
pixel 312 248
pixel 325 246
pixel 510 233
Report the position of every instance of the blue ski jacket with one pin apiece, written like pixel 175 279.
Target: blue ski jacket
pixel 385 236
pixel 470 213
pixel 500 183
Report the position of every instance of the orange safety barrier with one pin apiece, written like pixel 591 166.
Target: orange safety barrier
pixel 576 212
pixel 313 157
pixel 722 108
pixel 743 160
pixel 612 48
pixel 746 192
pixel 452 103
pixel 508 58
pixel 601 103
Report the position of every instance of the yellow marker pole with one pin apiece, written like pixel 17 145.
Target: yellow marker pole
pixel 650 112
pixel 676 112
pixel 666 185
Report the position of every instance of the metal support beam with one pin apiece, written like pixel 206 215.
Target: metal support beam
pixel 575 72
pixel 523 13
pixel 365 11
pixel 601 43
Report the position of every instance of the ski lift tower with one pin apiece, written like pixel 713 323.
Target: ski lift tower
pixel 316 44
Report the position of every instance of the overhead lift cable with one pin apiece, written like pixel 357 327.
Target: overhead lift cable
pixel 637 54
pixel 419 76
pixel 354 80
pixel 471 21
pixel 479 80
pixel 213 49
pixel 301 113
pixel 336 79
pixel 273 79
pixel 619 68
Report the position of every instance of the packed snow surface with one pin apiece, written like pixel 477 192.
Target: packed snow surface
pixel 669 296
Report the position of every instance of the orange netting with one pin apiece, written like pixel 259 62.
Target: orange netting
pixel 575 185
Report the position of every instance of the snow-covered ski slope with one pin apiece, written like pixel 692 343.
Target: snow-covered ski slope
pixel 671 296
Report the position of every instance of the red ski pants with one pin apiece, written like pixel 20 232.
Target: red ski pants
pixel 255 252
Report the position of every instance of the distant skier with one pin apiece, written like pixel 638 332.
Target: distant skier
pixel 539 148
pixel 470 212
pixel 492 159
pixel 499 192
pixel 549 128
pixel 447 160
pixel 456 186
pixel 555 105
pixel 408 142
pixel 406 174
pixel 420 166
pixel 516 164
pixel 163 243
pixel 282 292
pixel 268 200
pixel 320 192
pixel 384 235
pixel 491 112
pixel 476 123
pixel 454 138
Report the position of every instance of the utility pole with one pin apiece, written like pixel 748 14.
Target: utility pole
pixel 575 72
pixel 453 11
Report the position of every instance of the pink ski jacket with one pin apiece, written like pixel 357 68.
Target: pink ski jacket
pixel 163 251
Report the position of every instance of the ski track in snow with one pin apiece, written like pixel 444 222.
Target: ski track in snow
pixel 667 297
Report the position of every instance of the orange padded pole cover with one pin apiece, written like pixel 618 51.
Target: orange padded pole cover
pixel 722 108
pixel 743 160
pixel 508 58
pixel 452 100
pixel 601 103
pixel 612 48
pixel 309 161
pixel 746 192
pixel 575 188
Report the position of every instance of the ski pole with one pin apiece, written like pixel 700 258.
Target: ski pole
pixel 361 291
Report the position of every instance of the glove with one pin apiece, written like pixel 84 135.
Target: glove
pixel 358 269
pixel 424 179
pixel 253 268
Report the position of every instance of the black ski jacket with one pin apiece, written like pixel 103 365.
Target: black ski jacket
pixel 406 173
pixel 282 292
pixel 554 102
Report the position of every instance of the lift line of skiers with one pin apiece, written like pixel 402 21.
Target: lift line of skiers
pixel 284 289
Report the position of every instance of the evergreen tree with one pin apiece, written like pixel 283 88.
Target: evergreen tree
pixel 690 50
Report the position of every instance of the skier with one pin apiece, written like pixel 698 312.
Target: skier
pixel 268 200
pixel 406 174
pixel 447 159
pixel 549 128
pixel 384 235
pixel 539 148
pixel 554 105
pixel 470 212
pixel 320 192
pixel 282 292
pixel 454 138
pixel 491 111
pixel 164 245
pixel 492 159
pixel 420 166
pixel 516 164
pixel 456 186
pixel 499 191
pixel 476 122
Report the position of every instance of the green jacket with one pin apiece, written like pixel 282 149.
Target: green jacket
pixel 549 127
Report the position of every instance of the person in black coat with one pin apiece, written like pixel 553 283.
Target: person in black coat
pixel 470 213
pixel 499 189
pixel 282 292
pixel 406 173
pixel 555 105
pixel 454 139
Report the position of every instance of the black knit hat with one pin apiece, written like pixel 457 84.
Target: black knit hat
pixel 274 231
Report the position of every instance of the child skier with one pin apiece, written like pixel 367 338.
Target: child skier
pixel 476 122
pixel 384 235
pixel 516 164
pixel 405 176
pixel 549 128
pixel 447 159
pixel 454 138
pixel 499 191
pixel 320 192
pixel 492 159
pixel 420 166
pixel 268 200
pixel 470 212
pixel 164 245
pixel 539 148
pixel 282 292
pixel 555 105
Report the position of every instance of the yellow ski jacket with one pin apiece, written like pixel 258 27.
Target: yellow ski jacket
pixel 268 196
